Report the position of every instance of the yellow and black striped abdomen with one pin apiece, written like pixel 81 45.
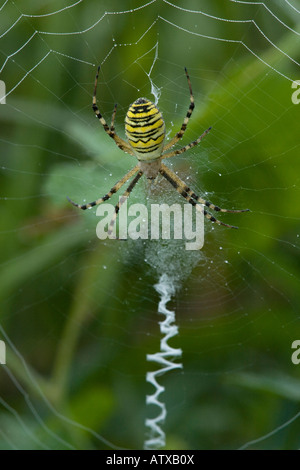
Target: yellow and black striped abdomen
pixel 145 129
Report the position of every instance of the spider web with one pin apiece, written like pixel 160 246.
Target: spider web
pixel 79 316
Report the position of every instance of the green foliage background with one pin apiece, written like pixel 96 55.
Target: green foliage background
pixel 78 315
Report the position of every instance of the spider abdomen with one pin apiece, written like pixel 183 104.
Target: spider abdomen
pixel 145 129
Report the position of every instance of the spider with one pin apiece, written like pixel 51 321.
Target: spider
pixel 145 131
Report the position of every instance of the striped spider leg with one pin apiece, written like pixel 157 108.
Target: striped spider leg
pixel 107 196
pixel 179 134
pixel 192 198
pixel 110 130
pixel 123 199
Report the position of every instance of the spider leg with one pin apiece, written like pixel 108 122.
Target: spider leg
pixel 187 147
pixel 179 134
pixel 212 206
pixel 121 201
pixel 190 196
pixel 109 130
pixel 198 199
pixel 113 190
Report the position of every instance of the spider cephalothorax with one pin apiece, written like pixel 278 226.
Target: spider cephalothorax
pixel 145 130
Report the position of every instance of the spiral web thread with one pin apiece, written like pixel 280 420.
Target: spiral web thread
pixel 164 357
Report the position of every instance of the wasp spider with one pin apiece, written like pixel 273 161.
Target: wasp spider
pixel 145 131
